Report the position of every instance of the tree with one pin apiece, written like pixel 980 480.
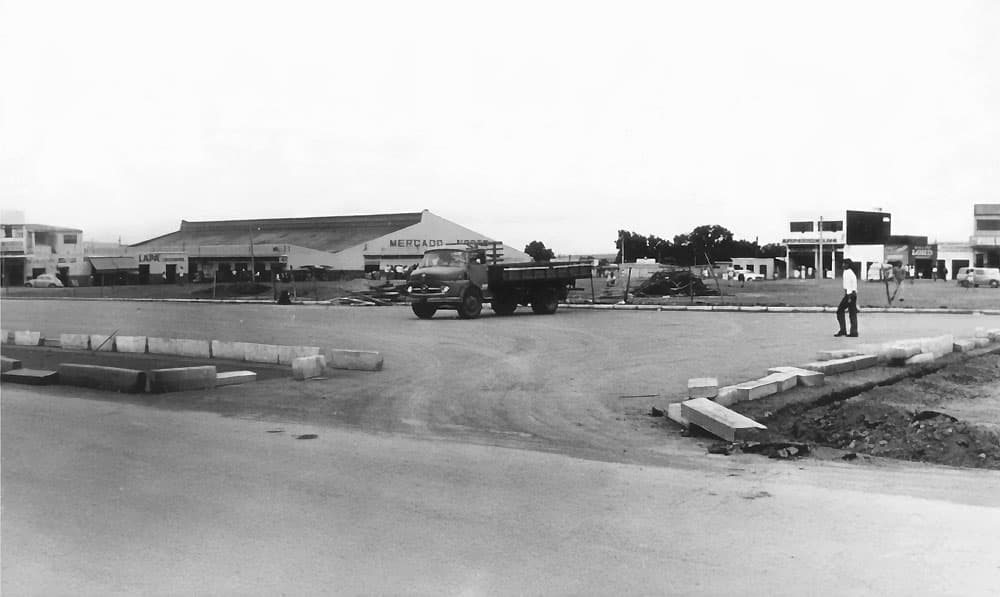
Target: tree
pixel 536 249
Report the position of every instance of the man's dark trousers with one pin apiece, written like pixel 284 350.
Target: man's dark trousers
pixel 850 304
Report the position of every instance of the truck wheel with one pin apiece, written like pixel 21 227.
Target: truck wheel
pixel 503 305
pixel 471 306
pixel 545 302
pixel 423 310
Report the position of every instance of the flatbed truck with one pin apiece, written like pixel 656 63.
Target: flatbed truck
pixel 463 278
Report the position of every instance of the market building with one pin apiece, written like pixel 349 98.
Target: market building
pixel 328 245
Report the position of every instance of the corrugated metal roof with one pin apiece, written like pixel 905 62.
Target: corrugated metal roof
pixel 328 233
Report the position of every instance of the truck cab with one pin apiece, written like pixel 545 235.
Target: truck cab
pixel 449 278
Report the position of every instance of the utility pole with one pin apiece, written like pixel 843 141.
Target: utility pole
pixel 252 269
pixel 819 270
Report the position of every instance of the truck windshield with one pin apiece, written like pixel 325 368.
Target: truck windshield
pixel 446 258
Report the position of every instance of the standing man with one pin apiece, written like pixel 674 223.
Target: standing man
pixel 850 301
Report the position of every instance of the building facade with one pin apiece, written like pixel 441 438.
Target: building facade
pixel 985 240
pixel 821 244
pixel 30 250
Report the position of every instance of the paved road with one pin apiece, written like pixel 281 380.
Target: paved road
pixel 106 498
pixel 577 382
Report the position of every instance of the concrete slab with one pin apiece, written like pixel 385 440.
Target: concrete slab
pixel 74 341
pixel 260 353
pixel 982 342
pixel 786 381
pixel 181 347
pixel 674 414
pixel 918 359
pixel 102 343
pixel 805 377
pixel 842 365
pixel 27 338
pixel 717 419
pixel 728 395
pixel 362 360
pixel 964 345
pixel 34 377
pixel 7 364
pixel 753 308
pixel 902 350
pixel 831 355
pixel 703 387
pixel 115 379
pixel 981 332
pixel 758 388
pixel 232 351
pixel 178 379
pixel 307 367
pixel 231 378
pixel 287 354
pixel 993 334
pixel 131 344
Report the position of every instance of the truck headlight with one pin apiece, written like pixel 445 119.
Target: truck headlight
pixel 409 289
pixel 444 290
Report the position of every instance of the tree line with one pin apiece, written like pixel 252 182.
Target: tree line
pixel 696 247
pixel 708 242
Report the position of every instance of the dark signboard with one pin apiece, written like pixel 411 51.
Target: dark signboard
pixel 868 227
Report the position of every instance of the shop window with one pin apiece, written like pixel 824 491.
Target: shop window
pixel 69 239
pixel 991 225
pixel 801 226
pixel 833 226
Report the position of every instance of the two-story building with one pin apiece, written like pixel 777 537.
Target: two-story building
pixel 821 243
pixel 29 250
pixel 985 238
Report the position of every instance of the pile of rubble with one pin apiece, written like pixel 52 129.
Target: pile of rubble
pixel 675 283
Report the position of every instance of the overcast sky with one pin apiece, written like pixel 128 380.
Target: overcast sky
pixel 560 122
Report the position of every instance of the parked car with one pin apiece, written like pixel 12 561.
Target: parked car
pixel 981 276
pixel 44 281
pixel 746 275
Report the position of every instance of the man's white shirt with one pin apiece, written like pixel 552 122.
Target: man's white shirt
pixel 850 281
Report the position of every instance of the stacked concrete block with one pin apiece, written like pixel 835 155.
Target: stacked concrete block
pixel 921 359
pixel 27 338
pixel 177 379
pixel 74 341
pixel 674 414
pixel 842 365
pixel 703 387
pixel 964 345
pixel 180 347
pixel 287 354
pixel 831 355
pixel 785 380
pixel 114 379
pixel 307 367
pixel 260 353
pixel 728 395
pixel 131 344
pixel 363 360
pixel 102 343
pixel 805 377
pixel 233 351
pixel 758 388
pixel 717 419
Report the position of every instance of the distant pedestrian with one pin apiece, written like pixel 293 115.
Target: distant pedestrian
pixel 850 301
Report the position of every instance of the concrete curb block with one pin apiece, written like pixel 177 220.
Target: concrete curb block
pixel 717 419
pixel 74 341
pixel 31 377
pixel 674 414
pixel 102 378
pixel 178 379
pixel 180 347
pixel 288 354
pixel 131 344
pixel 233 351
pixel 102 343
pixel 260 353
pixel 4 336
pixel 703 387
pixel 8 364
pixel 27 338
pixel 361 360
pixel 232 378
pixel 304 368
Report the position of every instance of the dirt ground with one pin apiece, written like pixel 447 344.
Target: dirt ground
pixel 950 416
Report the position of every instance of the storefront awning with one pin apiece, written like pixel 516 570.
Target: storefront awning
pixel 115 264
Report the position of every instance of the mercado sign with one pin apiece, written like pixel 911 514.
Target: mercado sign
pixel 426 243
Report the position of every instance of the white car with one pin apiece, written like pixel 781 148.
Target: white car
pixel 746 275
pixel 44 281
